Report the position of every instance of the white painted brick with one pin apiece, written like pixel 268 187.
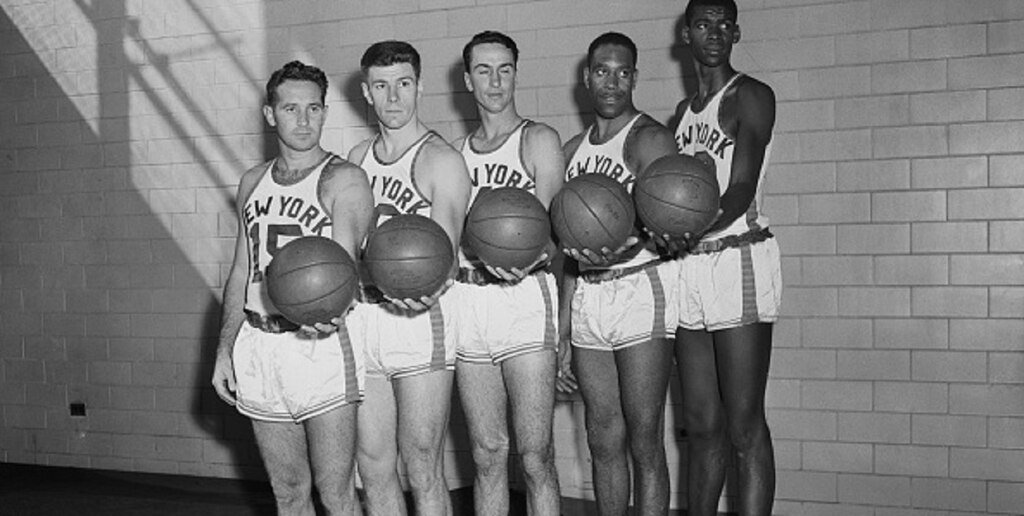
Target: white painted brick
pixel 911 334
pixel 877 301
pixel 788 54
pixel 991 203
pixel 1001 269
pixel 836 145
pixel 803 363
pixel 808 115
pixel 874 427
pixel 915 461
pixel 1006 36
pixel 836 333
pixel 873 175
pixel 911 397
pixel 806 240
pixel 911 270
pixel 856 239
pixel 1006 367
pixel 912 76
pixel 1005 104
pixel 949 237
pixel 837 270
pixel 836 395
pixel 802 178
pixel 949 173
pixel 992 400
pixel 951 41
pixel 942 493
pixel 1005 497
pixel 1005 432
pixel 1006 301
pixel 949 302
pixel 986 334
pixel 966 431
pixel 874 111
pixel 880 47
pixel 949 366
pixel 805 485
pixel 834 82
pixel 838 457
pixel 802 424
pixel 874 490
pixel 987 464
pixel 873 365
pixel 906 142
pixel 986 137
pixel 986 72
pixel 1006 170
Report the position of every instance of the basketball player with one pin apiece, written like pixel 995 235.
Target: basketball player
pixel 300 386
pixel 410 346
pixel 623 305
pixel 730 280
pixel 507 318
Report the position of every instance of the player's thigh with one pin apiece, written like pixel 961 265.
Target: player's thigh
pixel 332 439
pixel 599 385
pixel 698 379
pixel 530 380
pixel 644 371
pixel 283 448
pixel 376 425
pixel 423 403
pixel 744 357
pixel 482 392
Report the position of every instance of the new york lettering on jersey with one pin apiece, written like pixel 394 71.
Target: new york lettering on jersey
pixel 496 175
pixel 704 136
pixel 602 164
pixel 393 191
pixel 287 208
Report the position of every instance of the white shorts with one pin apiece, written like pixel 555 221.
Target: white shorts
pixel 622 312
pixel 402 343
pixel 732 287
pixel 287 377
pixel 501 321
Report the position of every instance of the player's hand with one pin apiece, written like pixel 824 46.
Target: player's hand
pixel 424 303
pixel 685 243
pixel 515 275
pixel 605 257
pixel 224 377
pixel 565 380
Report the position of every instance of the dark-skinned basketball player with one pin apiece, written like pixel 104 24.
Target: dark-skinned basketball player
pixel 410 343
pixel 730 280
pixel 621 302
pixel 508 318
pixel 300 386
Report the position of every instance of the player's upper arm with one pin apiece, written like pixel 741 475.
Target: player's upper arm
pixel 345 190
pixel 358 152
pixel 755 119
pixel 545 161
pixel 442 175
pixel 649 142
pixel 570 146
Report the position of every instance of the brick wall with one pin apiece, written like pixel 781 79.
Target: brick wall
pixel 896 190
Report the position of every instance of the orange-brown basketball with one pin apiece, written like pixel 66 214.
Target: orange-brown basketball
pixel 507 227
pixel 675 195
pixel 408 257
pixel 592 211
pixel 312 279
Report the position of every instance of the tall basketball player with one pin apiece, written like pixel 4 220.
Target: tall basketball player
pixel 410 346
pixel 730 280
pixel 622 302
pixel 299 386
pixel 508 318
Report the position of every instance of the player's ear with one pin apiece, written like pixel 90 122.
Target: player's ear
pixel 735 34
pixel 586 77
pixel 366 92
pixel 469 84
pixel 268 115
pixel 684 35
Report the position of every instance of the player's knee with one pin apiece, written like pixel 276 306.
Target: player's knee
pixel 490 454
pixel 748 433
pixel 702 424
pixel 292 492
pixel 606 440
pixel 537 462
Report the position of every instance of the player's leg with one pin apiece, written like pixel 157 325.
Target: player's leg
pixel 530 380
pixel 644 371
pixel 332 441
pixel 377 451
pixel 606 428
pixel 482 392
pixel 743 355
pixel 283 449
pixel 423 403
pixel 703 415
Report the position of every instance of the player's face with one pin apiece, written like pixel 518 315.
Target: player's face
pixel 610 78
pixel 492 76
pixel 394 92
pixel 711 34
pixel 298 115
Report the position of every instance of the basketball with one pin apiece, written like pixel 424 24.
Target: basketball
pixel 675 195
pixel 408 257
pixel 592 211
pixel 311 280
pixel 507 227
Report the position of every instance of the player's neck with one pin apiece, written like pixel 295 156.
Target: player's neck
pixel 711 80
pixel 494 126
pixel 606 128
pixel 394 142
pixel 292 163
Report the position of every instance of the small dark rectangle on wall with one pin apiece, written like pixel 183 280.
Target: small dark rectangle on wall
pixel 77 409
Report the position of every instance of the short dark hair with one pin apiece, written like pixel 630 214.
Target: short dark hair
pixel 612 38
pixel 296 71
pixel 489 36
pixel 387 53
pixel 728 5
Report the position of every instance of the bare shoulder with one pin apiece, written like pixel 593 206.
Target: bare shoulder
pixel 540 133
pixel 343 170
pixel 437 156
pixel 574 143
pixel 647 127
pixel 751 93
pixel 360 150
pixel 249 180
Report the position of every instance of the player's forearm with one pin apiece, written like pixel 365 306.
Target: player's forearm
pixel 232 315
pixel 734 203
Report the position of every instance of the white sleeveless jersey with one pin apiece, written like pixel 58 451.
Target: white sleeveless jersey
pixel 273 215
pixel 494 169
pixel 608 158
pixel 701 135
pixel 394 184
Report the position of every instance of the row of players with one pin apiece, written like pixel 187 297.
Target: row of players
pixel 373 388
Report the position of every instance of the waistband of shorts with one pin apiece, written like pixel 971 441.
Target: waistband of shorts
pixel 750 237
pixel 270 323
pixel 602 275
pixel 480 277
